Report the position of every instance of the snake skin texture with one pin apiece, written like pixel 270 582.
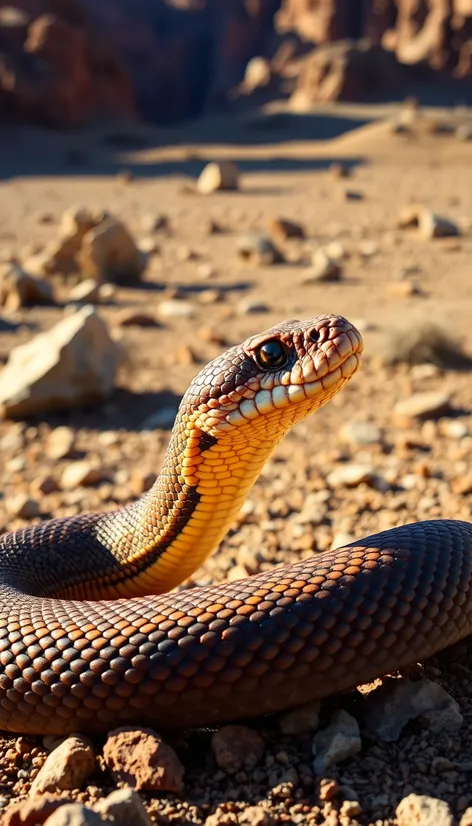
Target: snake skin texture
pixel 71 661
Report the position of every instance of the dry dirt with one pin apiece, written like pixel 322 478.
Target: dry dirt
pixel 425 467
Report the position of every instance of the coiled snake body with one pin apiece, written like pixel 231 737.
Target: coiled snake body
pixel 83 645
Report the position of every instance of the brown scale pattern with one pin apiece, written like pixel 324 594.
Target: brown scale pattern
pixel 230 651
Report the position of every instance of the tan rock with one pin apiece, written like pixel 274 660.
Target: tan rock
pixel 67 767
pixel 340 740
pixel 259 249
pixel 428 405
pixel 33 812
pixel 22 506
pixel 125 807
pixel 236 748
pixel 217 176
pixel 74 814
pixel 422 810
pixel 20 289
pixel 80 475
pixel 73 363
pixel 87 292
pixel 283 228
pixel 109 253
pixel 60 443
pixel 139 758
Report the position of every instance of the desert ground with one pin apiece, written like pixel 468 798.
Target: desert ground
pixel 330 480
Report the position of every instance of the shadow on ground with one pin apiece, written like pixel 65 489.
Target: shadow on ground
pixel 107 150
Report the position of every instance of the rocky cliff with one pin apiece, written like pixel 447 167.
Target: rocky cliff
pixel 64 62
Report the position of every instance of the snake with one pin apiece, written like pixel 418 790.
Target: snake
pixel 94 634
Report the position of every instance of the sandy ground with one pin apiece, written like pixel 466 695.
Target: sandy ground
pixel 426 467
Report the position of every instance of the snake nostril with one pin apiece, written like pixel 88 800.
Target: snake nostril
pixel 314 334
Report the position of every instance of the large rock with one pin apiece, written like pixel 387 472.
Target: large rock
pixel 72 364
pixel 95 245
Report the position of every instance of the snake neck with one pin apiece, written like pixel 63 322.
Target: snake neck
pixel 167 535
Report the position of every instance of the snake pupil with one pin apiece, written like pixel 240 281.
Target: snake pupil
pixel 271 355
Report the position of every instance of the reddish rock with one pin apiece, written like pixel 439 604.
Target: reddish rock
pixel 34 811
pixel 139 758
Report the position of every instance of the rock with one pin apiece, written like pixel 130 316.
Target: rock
pixel 255 816
pixel 74 814
pixel 466 819
pixel 323 268
pixel 422 810
pixel 176 308
pixel 430 405
pixel 259 249
pixel 351 475
pixel 313 511
pixel 72 364
pixel 237 748
pixel 34 811
pixel 139 758
pixel 45 485
pixel 125 807
pixel 258 73
pixel 67 767
pixel 60 443
pixel 237 572
pixel 454 429
pixel 282 229
pixel 109 253
pixel 81 474
pixel 340 740
pixel 429 224
pixel 19 289
pixel 339 170
pixel 389 708
pixel 403 289
pixel 360 434
pixel 350 808
pixel 21 506
pixel 436 226
pixel 217 176
pixel 409 216
pixel 87 292
pixel 301 720
pixel 425 343
pixel 328 789
pixel 353 195
pixel 248 307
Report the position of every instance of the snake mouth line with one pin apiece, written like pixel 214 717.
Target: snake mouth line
pixel 282 396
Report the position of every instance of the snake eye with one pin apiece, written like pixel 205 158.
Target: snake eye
pixel 272 355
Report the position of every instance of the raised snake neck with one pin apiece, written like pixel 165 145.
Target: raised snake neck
pixel 233 650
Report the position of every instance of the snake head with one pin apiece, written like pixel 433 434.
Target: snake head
pixel 265 385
